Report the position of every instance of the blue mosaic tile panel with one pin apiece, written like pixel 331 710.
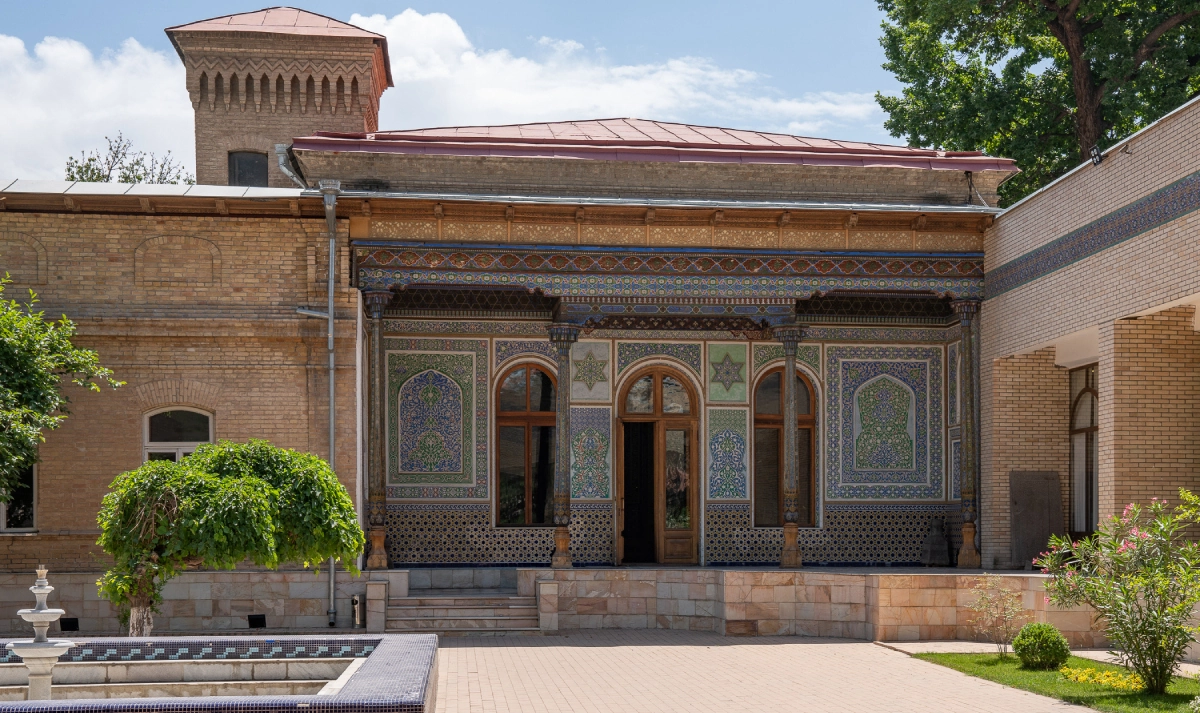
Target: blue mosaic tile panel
pixel 437 533
pixel 956 469
pixel 591 452
pixel 630 352
pixel 884 423
pixel 445 371
pixel 876 335
pixel 728 454
pixel 809 354
pixel 952 383
pixel 212 649
pixel 437 326
pixel 511 348
pixel 1143 215
pixel 850 534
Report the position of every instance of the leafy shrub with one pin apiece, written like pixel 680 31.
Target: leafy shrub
pixel 1142 575
pixel 1041 646
pixel 1109 679
pixel 225 503
pixel 998 612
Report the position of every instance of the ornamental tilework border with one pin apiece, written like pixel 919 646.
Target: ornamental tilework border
pixel 416 356
pixel 728 454
pixel 809 354
pixel 903 335
pixel 851 535
pixel 952 384
pixel 431 326
pixel 630 352
pixel 591 452
pixel 956 469
pixel 1129 221
pixel 510 348
pixel 433 533
pixel 919 369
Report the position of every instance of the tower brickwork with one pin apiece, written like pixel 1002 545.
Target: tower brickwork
pixel 262 78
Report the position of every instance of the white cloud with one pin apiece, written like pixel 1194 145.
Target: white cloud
pixel 61 98
pixel 443 79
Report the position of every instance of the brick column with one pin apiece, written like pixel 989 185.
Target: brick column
pixel 968 555
pixel 376 301
pixel 790 557
pixel 1149 388
pixel 562 336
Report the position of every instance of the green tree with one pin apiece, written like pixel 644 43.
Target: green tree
pixel 1039 81
pixel 36 356
pixel 225 503
pixel 124 165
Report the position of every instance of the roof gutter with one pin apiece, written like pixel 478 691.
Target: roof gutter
pixel 283 155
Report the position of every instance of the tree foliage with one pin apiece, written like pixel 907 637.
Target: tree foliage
pixel 1040 81
pixel 997 612
pixel 122 164
pixel 36 355
pixel 225 503
pixel 1141 573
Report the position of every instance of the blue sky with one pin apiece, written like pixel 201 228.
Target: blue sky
pixel 803 67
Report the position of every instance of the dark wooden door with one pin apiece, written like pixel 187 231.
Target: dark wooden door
pixel 639 493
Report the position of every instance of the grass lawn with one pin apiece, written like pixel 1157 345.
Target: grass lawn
pixel 1008 671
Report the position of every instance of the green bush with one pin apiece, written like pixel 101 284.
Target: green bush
pixel 1041 646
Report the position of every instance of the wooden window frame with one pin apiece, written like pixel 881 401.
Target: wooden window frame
pixel 179 448
pixel 528 420
pixel 808 421
pixel 1091 432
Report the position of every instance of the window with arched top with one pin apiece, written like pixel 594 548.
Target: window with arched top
pixel 768 450
pixel 525 407
pixel 1085 489
pixel 173 433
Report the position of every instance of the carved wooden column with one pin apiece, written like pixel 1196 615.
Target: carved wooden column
pixel 376 301
pixel 790 558
pixel 562 336
pixel 968 312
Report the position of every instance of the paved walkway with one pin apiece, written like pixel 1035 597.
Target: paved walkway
pixel 667 672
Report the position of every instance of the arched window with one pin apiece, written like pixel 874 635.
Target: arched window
pixel 1085 491
pixel 525 404
pixel 173 433
pixel 768 450
pixel 247 168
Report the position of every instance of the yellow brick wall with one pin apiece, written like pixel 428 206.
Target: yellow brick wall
pixel 182 333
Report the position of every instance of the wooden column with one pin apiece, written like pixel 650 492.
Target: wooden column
pixel 790 558
pixel 968 313
pixel 562 336
pixel 376 301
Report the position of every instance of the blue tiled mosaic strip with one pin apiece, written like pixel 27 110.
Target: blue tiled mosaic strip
pixel 202 648
pixel 395 678
pixel 1158 208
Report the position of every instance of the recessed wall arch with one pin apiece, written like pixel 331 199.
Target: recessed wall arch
pixel 23 257
pixel 767 466
pixel 164 393
pixel 177 261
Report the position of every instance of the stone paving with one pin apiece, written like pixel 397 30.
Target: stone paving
pixel 658 671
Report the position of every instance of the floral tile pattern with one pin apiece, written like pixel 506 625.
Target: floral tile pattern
pixel 765 353
pixel 431 421
pixel 591 452
pixel 629 352
pixel 507 349
pixel 728 454
pixel 916 369
pixel 952 384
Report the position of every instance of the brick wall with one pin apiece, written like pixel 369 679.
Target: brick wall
pixel 224 339
pixel 1149 387
pixel 1030 420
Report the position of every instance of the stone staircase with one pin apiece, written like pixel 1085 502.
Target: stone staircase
pixel 463 602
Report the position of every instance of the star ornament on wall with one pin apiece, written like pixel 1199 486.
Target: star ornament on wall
pixel 728 372
pixel 590 371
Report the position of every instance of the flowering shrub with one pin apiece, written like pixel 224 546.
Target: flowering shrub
pixel 1041 646
pixel 1111 679
pixel 1141 576
pixel 998 612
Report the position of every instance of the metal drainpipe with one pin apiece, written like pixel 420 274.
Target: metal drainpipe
pixel 329 192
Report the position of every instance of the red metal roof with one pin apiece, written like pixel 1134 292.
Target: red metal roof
pixel 277 20
pixel 644 140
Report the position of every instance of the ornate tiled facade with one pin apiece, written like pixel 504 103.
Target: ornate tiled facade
pixel 728 372
pixel 507 349
pixel 420 534
pixel 809 354
pixel 591 371
pixel 878 473
pixel 728 454
pixel 630 352
pixel 591 452
pixel 952 383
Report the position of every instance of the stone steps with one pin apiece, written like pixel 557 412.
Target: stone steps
pixel 462 611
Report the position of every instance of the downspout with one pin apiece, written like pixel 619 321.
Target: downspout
pixel 329 192
pixel 285 165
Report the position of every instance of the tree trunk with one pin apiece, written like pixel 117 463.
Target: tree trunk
pixel 141 617
pixel 1089 96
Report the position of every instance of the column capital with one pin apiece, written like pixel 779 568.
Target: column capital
pixel 377 301
pixel 965 309
pixel 563 336
pixel 790 335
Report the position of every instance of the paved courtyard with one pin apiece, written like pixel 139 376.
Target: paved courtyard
pixel 668 671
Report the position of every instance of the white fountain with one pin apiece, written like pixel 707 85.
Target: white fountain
pixel 40 654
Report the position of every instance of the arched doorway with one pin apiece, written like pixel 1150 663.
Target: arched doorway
pixel 658 516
